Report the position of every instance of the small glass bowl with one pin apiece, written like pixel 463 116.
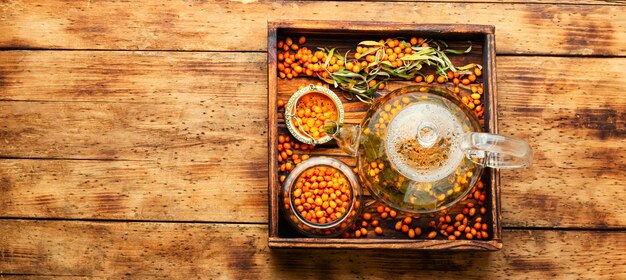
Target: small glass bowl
pixel 336 227
pixel 290 108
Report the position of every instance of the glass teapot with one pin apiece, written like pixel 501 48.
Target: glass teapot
pixel 420 150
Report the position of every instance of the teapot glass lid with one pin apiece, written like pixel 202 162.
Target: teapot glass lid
pixel 421 140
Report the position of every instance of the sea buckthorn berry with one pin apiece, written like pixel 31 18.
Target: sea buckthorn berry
pixel 378 230
pixel 404 228
pixel 392 214
pixel 367 216
pixel 478 72
pixel 315 192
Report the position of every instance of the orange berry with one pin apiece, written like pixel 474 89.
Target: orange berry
pixel 378 230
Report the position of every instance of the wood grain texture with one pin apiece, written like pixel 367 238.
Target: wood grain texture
pixel 585 2
pixel 134 190
pixel 183 251
pixel 272 141
pixel 208 25
pixel 575 123
pixel 577 129
pixel 133 105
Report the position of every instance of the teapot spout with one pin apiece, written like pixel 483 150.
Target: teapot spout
pixel 347 136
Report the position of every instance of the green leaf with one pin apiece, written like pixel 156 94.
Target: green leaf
pixel 446 62
pixel 469 66
pixel 349 74
pixel 416 57
pixel 370 43
pixel 469 49
pixel 339 56
pixel 364 99
pixel 370 51
pixel 397 73
pixel 385 74
pixel 372 64
pixel 328 57
pixel 328 81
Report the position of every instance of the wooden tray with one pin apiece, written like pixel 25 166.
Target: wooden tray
pixel 344 35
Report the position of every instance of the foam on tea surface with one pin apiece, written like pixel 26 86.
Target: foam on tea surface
pixel 412 159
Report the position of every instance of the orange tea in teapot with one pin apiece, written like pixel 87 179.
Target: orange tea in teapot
pixel 417 140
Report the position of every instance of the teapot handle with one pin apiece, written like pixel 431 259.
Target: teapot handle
pixel 496 151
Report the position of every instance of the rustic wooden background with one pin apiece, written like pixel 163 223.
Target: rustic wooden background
pixel 133 140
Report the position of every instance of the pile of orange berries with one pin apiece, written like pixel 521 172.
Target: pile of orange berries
pixel 471 223
pixel 474 100
pixel 404 225
pixel 287 158
pixel 393 52
pixel 359 229
pixel 294 61
pixel 321 195
pixel 313 110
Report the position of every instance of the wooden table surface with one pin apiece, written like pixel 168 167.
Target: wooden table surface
pixel 133 140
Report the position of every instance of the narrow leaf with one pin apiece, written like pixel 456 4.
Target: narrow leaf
pixel 328 57
pixel 370 43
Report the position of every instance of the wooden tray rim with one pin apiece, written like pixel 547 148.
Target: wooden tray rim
pixel 489 53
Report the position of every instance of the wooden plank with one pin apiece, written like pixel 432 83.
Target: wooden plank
pixel 139 106
pixel 209 131
pixel 135 190
pixel 272 113
pixel 577 129
pixel 134 77
pixel 46 277
pixel 585 2
pixel 180 25
pixel 183 251
pixel 583 108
